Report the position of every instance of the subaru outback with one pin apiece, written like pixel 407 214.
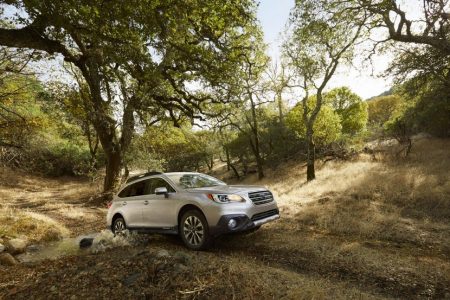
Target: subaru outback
pixel 196 206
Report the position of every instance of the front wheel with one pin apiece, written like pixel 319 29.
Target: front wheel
pixel 194 230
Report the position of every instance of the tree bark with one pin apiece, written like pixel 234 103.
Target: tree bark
pixel 114 163
pixel 311 155
pixel 255 146
pixel 227 153
pixel 236 173
pixel 280 108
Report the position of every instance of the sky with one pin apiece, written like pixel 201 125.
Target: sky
pixel 273 16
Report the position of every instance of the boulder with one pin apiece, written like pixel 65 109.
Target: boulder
pixel 180 268
pixel 131 279
pixel 182 258
pixel 33 248
pixel 162 254
pixel 16 246
pixel 7 259
pixel 2 248
pixel 86 242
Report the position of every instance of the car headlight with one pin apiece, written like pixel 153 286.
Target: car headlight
pixel 225 198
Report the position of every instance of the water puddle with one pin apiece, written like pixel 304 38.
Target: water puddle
pixel 71 246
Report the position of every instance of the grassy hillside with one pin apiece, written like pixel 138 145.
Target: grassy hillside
pixel 364 229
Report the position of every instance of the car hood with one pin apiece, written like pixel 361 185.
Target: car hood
pixel 228 189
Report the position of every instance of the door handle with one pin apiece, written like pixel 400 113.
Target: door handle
pixel 146 202
pixel 124 203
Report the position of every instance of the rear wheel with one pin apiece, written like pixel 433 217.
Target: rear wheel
pixel 119 226
pixel 194 230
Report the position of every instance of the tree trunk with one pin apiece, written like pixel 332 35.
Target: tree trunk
pixel 255 146
pixel 311 156
pixel 227 153
pixel 114 161
pixel 258 158
pixel 280 108
pixel 209 163
pixel 260 168
pixel 236 173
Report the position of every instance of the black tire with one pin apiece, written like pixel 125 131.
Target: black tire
pixel 118 225
pixel 194 230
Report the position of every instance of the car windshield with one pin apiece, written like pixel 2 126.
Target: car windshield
pixel 193 180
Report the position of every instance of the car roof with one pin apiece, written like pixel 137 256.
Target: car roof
pixel 178 173
pixel 147 175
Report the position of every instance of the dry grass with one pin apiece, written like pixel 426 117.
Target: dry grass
pixel 34 227
pixel 45 209
pixel 391 199
pixel 384 223
pixel 364 229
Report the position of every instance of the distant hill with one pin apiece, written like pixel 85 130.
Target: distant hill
pixel 385 93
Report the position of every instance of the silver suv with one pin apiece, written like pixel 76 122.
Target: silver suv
pixel 196 206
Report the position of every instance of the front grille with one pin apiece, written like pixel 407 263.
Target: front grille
pixel 262 197
pixel 265 214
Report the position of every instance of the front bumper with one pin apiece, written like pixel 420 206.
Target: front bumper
pixel 243 222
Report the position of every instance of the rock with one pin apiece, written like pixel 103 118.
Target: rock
pixel 182 257
pixel 86 242
pixel 180 268
pixel 16 246
pixel 7 259
pixel 33 248
pixel 162 254
pixel 131 279
pixel 53 289
pixel 2 248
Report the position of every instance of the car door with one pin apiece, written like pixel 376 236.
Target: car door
pixel 132 201
pixel 159 212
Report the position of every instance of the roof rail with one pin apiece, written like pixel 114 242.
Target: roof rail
pixel 136 177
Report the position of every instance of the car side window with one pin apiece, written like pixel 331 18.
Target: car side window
pixel 135 189
pixel 156 183
pixel 125 192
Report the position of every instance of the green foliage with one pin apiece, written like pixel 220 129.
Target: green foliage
pixel 327 127
pixel 20 115
pixel 422 79
pixel 57 156
pixel 432 113
pixel 351 109
pixel 280 142
pixel 37 133
pixel 383 108
pixel 170 148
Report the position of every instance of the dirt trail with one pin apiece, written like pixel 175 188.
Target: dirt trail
pixel 62 203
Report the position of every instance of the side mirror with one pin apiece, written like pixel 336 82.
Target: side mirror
pixel 162 191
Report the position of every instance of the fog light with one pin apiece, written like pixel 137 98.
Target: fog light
pixel 232 223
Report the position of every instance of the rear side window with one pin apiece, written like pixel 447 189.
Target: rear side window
pixel 125 192
pixel 135 189
pixel 156 183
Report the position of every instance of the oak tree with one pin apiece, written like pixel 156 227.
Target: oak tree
pixel 140 58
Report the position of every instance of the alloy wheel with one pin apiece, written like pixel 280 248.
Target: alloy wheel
pixel 119 226
pixel 193 230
